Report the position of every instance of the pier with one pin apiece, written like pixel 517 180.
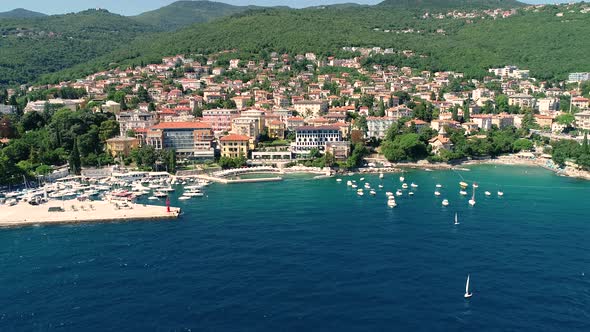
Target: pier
pixel 73 211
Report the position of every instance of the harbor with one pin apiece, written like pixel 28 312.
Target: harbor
pixel 75 211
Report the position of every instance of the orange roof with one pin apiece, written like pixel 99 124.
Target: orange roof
pixel 182 125
pixel 234 137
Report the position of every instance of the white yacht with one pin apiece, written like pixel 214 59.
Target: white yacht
pixel 488 193
pixel 445 202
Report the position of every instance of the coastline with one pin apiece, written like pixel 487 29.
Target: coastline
pixel 74 212
pixel 507 160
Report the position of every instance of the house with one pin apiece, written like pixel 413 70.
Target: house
pixel 522 100
pixel 276 129
pixel 234 146
pixel 378 126
pixel 483 121
pixel 134 120
pixel 581 103
pixel 121 146
pixel 440 142
pixel 544 121
pixel 220 119
pixel 310 108
pixel 583 120
pixel 548 106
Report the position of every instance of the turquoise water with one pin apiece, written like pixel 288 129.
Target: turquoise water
pixel 307 254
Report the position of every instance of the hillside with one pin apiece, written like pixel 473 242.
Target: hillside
pixel 21 13
pixel 184 13
pixel 31 47
pixel 451 4
pixel 551 50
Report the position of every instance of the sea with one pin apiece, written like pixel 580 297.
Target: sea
pixel 310 254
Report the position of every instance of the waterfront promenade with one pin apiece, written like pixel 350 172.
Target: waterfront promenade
pixel 73 211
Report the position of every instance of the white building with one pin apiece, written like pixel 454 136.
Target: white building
pixel 308 137
pixel 548 106
pixel 578 77
pixel 378 126
pixel 134 120
pixel 583 120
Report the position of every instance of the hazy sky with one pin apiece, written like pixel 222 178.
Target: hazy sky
pixel 133 7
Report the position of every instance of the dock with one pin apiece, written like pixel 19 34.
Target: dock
pixel 73 211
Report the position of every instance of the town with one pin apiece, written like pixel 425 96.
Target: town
pixel 221 111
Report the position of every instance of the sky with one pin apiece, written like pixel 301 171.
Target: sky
pixel 134 7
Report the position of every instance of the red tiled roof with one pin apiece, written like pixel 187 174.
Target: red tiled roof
pixel 234 137
pixel 182 125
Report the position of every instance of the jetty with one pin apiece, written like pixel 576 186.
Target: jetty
pixel 74 211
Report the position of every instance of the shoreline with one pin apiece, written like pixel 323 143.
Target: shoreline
pixel 75 212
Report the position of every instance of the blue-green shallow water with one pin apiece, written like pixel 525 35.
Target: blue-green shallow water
pixel 309 254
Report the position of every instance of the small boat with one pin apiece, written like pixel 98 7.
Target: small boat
pixel 467 294
pixel 362 179
pixel 413 185
pixel 437 193
pixel 338 180
pixel 488 193
pixel 367 185
pixel 475 185
pixel 472 200
pixel 456 219
pixel 184 198
pixel 360 193
pixel 391 203
pixel 398 193
pixel 381 175
pixel 160 194
pixel 438 186
pixel 411 193
pixel 389 194
pixel 152 198
pixel 349 183
pixel 373 192
pixel 405 186
pixel 500 193
pixel 401 179
pixel 354 186
pixel 463 192
pixel 380 186
pixel 445 202
pixel 391 198
pixel 463 184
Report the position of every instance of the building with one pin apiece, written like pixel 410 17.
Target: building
pixel 398 112
pixel 246 127
pixel 440 142
pixel 578 77
pixel 193 140
pixel 308 138
pixel 7 109
pixel 220 119
pixel 548 106
pixel 121 146
pixel 510 72
pixel 311 108
pixel 483 121
pixel 134 120
pixel 111 106
pixel 234 146
pixel 522 100
pixel 544 121
pixel 581 103
pixel 583 120
pixel 503 120
pixel 276 129
pixel 378 126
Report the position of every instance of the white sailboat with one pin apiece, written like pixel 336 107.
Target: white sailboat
pixel 467 294
pixel 472 200
pixel 456 219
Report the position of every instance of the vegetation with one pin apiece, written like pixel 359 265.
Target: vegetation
pixel 184 13
pixel 569 150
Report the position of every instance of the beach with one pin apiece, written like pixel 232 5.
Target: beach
pixel 74 211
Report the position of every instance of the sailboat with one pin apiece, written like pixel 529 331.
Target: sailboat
pixel 467 294
pixel 472 200
pixel 456 219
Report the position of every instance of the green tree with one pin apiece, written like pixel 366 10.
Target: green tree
pixel 108 129
pixel 75 162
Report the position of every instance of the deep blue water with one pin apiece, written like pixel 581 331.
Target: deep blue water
pixel 309 254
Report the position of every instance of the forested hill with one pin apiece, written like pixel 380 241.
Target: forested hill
pixel 183 13
pixel 35 46
pixel 451 4
pixel 21 13
pixel 548 44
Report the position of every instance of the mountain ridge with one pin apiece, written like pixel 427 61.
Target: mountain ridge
pixel 21 13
